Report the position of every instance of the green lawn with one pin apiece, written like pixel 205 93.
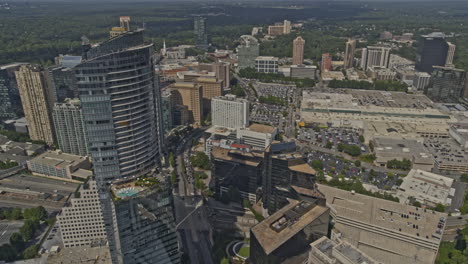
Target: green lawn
pixel 244 251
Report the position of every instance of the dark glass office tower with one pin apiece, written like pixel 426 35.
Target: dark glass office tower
pixel 121 105
pixel 144 221
pixel 447 85
pixel 433 52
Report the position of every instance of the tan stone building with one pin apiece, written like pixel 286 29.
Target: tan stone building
pixel 211 88
pixel 298 51
pixel 191 95
pixel 37 99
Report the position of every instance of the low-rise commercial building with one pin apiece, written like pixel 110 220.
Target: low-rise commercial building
pixel 266 64
pixel 257 136
pixel 387 231
pixel 371 106
pixel 387 149
pixel 327 251
pixel 61 165
pixel 332 75
pixel 286 235
pixel 303 71
pixel 459 132
pixel 427 188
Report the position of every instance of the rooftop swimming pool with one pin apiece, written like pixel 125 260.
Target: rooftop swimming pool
pixel 127 192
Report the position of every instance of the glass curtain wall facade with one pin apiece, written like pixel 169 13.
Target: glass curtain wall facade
pixel 121 106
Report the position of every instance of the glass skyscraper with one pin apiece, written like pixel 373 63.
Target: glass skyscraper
pixel 121 105
pixel 201 37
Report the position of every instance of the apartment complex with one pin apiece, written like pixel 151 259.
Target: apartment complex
pixel 81 222
pixel 375 56
pixel 69 127
pixel 326 62
pixel 190 95
pixel 37 100
pixel 280 28
pixel 229 111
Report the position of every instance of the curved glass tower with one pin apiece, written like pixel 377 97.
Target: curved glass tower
pixel 121 106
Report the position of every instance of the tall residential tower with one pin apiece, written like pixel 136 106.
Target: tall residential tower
pixel 121 104
pixel 37 100
pixel 298 51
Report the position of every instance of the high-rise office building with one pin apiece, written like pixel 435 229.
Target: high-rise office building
pixel 450 54
pixel 242 169
pixel 433 52
pixel 37 102
pixel 81 222
pixel 284 168
pixel 229 111
pixel 247 52
pixel 284 237
pixel 69 127
pixel 298 51
pixel 10 102
pixel 121 104
pixel 201 36
pixel 447 84
pixel 326 62
pixel 223 72
pixel 211 87
pixel 375 56
pixel 280 28
pixel 349 53
pixel 167 109
pixel 144 221
pixel 63 83
pixel 191 95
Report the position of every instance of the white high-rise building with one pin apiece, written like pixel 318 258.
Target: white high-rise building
pixel 69 127
pixel 82 223
pixel 229 111
pixel 421 80
pixel 450 54
pixel 375 56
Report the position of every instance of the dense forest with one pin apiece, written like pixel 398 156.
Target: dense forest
pixel 39 31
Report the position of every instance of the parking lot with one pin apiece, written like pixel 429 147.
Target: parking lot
pixel 7 228
pixel 336 166
pixel 321 135
pixel 268 114
pixel 277 90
